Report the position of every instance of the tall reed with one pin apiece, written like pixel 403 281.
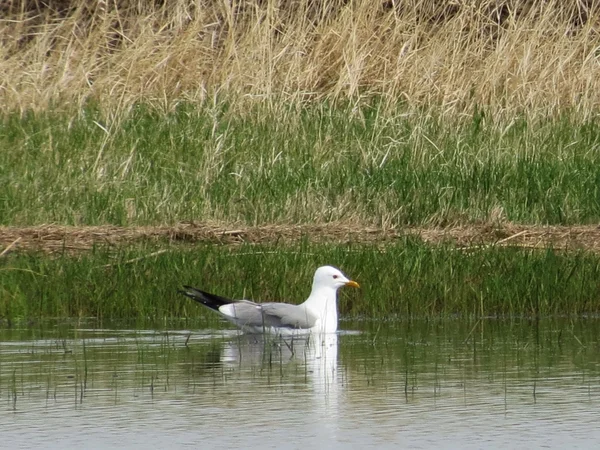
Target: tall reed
pixel 403 280
pixel 513 57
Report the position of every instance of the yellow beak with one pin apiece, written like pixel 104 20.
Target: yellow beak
pixel 352 284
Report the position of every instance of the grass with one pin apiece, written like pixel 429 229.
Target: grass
pixel 533 57
pixel 287 165
pixel 409 279
pixel 385 114
pixel 303 112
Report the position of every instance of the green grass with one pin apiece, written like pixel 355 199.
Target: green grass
pixel 316 163
pixel 409 279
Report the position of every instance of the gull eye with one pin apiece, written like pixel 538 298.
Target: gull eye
pixel 335 277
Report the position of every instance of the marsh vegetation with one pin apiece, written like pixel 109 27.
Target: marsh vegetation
pixel 404 280
pixel 378 116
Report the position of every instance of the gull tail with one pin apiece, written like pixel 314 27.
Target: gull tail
pixel 211 301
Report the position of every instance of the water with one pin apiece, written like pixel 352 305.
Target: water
pixel 456 385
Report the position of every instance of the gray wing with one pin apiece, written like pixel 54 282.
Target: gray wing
pixel 252 314
pixel 291 316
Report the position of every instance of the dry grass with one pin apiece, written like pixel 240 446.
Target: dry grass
pixel 58 239
pixel 507 56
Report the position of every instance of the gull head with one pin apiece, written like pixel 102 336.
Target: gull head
pixel 330 277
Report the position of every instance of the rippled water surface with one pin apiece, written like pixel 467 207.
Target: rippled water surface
pixel 490 384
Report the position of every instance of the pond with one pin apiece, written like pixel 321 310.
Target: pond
pixel 414 384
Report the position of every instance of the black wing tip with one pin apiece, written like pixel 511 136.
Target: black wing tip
pixel 206 298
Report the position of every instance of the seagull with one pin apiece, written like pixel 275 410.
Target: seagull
pixel 317 314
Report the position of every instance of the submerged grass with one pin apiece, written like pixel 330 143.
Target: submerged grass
pixel 318 163
pixel 110 366
pixel 407 279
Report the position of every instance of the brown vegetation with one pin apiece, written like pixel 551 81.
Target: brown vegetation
pixel 54 238
pixel 508 56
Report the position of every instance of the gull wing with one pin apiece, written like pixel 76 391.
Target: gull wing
pixel 292 316
pixel 278 315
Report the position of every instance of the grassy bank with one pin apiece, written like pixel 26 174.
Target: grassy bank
pixel 299 112
pixel 367 114
pixel 405 279
pixel 296 165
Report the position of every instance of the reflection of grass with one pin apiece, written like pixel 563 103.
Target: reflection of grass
pixel 416 359
pixel 509 357
pixel 313 165
pixel 403 280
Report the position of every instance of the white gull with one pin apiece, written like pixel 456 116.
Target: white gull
pixel 317 314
